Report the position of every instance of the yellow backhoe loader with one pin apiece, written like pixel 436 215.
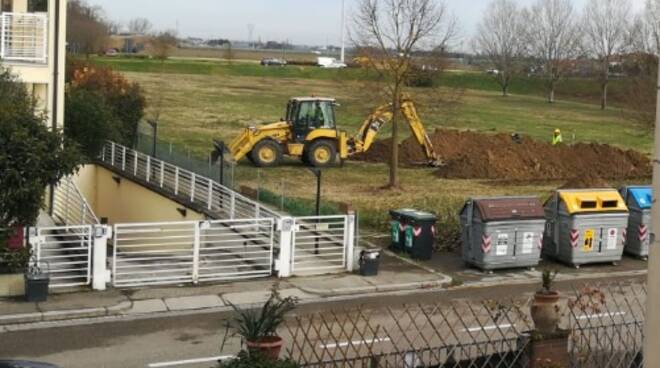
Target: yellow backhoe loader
pixel 309 132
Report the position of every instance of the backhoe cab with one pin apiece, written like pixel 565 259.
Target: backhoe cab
pixel 309 132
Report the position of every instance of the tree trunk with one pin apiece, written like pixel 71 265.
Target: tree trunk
pixel 604 83
pixel 505 89
pixel 551 97
pixel 603 98
pixel 394 159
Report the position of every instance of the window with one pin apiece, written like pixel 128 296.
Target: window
pixel 6 6
pixel 37 6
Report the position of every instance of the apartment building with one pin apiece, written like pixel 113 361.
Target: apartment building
pixel 33 47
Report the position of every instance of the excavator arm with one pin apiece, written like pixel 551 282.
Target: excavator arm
pixel 367 133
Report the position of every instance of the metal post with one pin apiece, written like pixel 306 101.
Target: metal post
pixel 343 31
pixel 210 198
pixel 652 335
pixel 176 180
pixel 192 188
pixel 100 273
pixel 196 242
pixel 162 173
pixel 232 205
pixel 318 193
pixel 148 173
pixel 154 126
pixel 222 168
pixel 285 227
pixel 349 241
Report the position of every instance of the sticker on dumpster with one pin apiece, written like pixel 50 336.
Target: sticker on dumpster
pixel 528 243
pixel 409 237
pixel 612 238
pixel 395 232
pixel 502 247
pixel 588 241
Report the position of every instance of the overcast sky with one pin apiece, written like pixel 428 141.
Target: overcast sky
pixel 313 22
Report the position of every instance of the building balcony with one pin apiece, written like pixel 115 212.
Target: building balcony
pixel 24 38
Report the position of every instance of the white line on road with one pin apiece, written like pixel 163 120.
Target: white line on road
pixel 190 361
pixel 354 343
pixel 488 328
pixel 600 315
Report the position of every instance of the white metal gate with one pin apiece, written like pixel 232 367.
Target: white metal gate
pixel 66 253
pixel 190 252
pixel 320 244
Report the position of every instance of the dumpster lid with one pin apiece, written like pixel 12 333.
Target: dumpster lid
pixel 420 216
pixel 506 208
pixel 604 200
pixel 643 196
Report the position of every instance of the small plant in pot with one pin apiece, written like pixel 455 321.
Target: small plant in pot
pixel 258 326
pixel 545 310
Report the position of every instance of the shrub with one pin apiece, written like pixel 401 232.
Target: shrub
pixel 254 360
pixel 32 157
pixel 90 122
pixel 124 99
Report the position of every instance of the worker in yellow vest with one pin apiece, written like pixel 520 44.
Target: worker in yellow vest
pixel 557 138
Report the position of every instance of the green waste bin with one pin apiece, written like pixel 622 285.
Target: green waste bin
pixel 398 227
pixel 419 234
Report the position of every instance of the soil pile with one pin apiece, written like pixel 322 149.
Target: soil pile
pixel 471 155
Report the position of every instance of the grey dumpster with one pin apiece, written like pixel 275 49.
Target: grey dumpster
pixel 502 232
pixel 585 226
pixel 639 200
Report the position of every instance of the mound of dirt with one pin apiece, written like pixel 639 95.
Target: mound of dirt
pixel 471 155
pixel 585 182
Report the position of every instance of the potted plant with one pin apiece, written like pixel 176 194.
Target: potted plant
pixel 258 326
pixel 545 309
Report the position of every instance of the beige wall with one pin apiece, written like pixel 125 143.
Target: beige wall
pixel 126 201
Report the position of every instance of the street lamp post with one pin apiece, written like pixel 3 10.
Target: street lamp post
pixel 318 173
pixel 652 333
pixel 154 126
pixel 219 154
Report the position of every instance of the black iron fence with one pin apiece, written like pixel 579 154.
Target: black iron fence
pixel 606 323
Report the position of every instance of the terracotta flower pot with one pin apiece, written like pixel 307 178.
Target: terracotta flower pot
pixel 269 346
pixel 546 312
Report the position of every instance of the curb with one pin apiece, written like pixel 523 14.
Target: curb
pixel 433 284
pixel 65 315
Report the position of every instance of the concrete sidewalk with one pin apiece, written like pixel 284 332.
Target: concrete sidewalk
pixel 397 275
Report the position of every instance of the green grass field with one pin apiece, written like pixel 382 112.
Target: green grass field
pixel 198 101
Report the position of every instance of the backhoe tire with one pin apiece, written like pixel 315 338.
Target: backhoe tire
pixel 266 153
pixel 321 153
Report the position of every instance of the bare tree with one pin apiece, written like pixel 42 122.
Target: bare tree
pixel 87 29
pixel 388 33
pixel 500 37
pixel 605 27
pixel 553 39
pixel 645 30
pixel 139 26
pixel 162 44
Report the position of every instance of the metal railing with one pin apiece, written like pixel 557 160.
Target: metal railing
pixel 184 184
pixel 70 206
pixel 24 37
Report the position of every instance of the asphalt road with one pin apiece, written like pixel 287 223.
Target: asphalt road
pixel 163 341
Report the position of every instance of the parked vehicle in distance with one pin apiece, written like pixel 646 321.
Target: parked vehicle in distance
pixel 335 65
pixel 492 72
pixel 273 62
pixel 24 364
pixel 111 52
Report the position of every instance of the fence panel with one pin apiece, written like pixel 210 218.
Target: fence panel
pixel 153 254
pixel 238 249
pixel 66 253
pixel 319 244
pixel 607 321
